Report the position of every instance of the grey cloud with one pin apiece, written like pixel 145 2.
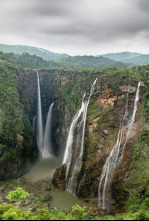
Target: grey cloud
pixel 143 5
pixel 74 25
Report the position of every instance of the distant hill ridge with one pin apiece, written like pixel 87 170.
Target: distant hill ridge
pixel 128 57
pixel 20 49
pixel 32 57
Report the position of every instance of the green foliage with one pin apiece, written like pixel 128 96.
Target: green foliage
pixel 24 60
pixel 4 209
pixel 141 215
pixel 9 212
pixel 73 91
pixel 11 108
pixel 17 195
pixel 139 200
pixel 81 213
pixel 146 106
pixel 14 122
pixel 87 62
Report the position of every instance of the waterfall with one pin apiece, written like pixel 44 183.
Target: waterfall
pixel 44 139
pixel 116 156
pixel 47 150
pixel 78 122
pixel 40 132
pixel 69 151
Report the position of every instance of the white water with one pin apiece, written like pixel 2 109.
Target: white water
pixel 81 115
pixel 47 150
pixel 44 139
pixel 40 133
pixel 116 157
pixel 68 152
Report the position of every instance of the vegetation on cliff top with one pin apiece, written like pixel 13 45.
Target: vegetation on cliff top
pixel 26 60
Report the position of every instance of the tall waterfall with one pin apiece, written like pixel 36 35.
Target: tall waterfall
pixel 40 132
pixel 116 156
pixel 78 122
pixel 44 139
pixel 47 150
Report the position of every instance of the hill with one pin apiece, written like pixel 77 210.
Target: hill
pixel 20 49
pixel 90 62
pixel 121 56
pixel 129 57
pixel 26 60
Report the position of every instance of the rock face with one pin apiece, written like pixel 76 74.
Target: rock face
pixel 63 88
pixel 105 114
pixel 18 148
pixel 101 140
pixel 59 179
pixel 127 88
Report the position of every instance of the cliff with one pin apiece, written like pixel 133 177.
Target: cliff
pixel 114 89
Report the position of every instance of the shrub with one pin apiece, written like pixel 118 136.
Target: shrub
pixel 12 214
pixel 81 213
pixel 141 215
pixel 17 195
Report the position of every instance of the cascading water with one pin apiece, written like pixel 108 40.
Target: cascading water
pixel 47 150
pixel 40 132
pixel 68 152
pixel 77 165
pixel 116 156
pixel 44 140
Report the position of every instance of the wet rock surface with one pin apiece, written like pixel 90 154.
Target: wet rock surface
pixel 59 179
pixel 102 131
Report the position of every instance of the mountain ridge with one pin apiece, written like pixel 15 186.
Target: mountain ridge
pixel 43 53
pixel 128 57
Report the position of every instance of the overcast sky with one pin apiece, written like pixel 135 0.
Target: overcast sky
pixel 76 26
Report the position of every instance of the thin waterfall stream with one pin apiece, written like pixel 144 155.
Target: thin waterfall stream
pixel 40 131
pixel 47 148
pixel 116 156
pixel 78 122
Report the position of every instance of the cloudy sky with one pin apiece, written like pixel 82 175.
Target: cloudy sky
pixel 76 26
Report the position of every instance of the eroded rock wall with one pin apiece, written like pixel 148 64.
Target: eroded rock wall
pixel 106 111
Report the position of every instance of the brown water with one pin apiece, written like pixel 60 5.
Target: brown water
pixel 64 200
pixel 43 170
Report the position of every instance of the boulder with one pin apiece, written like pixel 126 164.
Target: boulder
pixel 59 179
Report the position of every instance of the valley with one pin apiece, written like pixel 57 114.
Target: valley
pixel 74 136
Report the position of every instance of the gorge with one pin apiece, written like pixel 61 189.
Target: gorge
pixel 91 128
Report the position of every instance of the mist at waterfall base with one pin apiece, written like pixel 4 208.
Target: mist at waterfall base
pixel 116 155
pixel 79 123
pixel 48 163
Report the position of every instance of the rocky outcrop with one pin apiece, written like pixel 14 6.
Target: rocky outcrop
pixel 59 179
